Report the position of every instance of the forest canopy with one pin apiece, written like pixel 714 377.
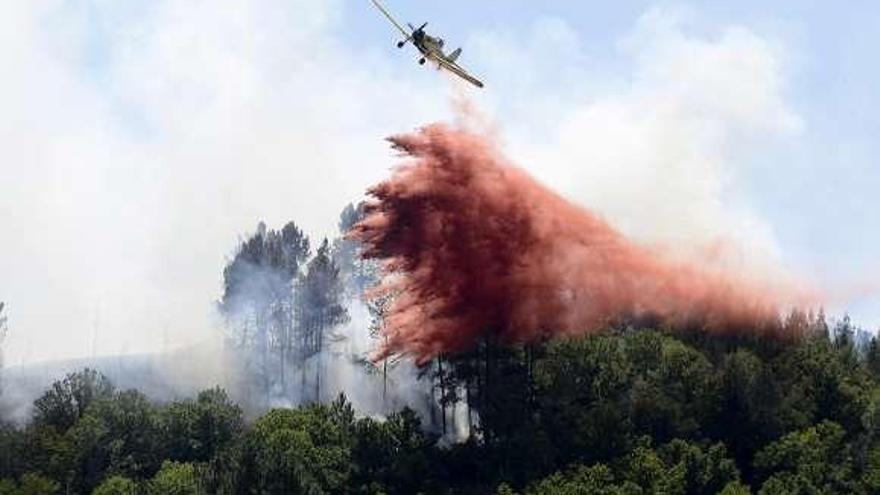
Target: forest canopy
pixel 632 411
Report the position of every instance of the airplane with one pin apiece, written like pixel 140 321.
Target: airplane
pixel 430 47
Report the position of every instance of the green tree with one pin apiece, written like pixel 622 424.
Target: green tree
pixel 35 484
pixel 582 387
pixel 46 451
pixel 196 430
pixel 644 467
pixel 89 440
pixel 735 488
pixel 822 382
pixel 750 397
pixel 119 435
pixel 302 451
pixel 703 469
pixel 67 400
pixel 12 445
pixel 813 460
pixel 116 485
pixel 676 395
pixel 871 475
pixel 504 489
pixel 581 480
pixel 393 455
pixel 8 486
pixel 175 479
pixel 872 357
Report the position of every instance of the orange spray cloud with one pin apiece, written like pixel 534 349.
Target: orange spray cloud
pixel 473 247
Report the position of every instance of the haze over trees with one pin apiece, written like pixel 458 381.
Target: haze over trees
pixel 279 304
pixel 634 410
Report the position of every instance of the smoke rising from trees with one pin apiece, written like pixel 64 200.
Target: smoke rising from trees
pixel 299 331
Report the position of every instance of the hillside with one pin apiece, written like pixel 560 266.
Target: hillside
pixel 627 411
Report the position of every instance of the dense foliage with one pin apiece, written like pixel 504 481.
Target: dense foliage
pixel 626 412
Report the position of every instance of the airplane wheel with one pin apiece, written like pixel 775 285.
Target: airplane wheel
pixel 421 61
pixel 400 44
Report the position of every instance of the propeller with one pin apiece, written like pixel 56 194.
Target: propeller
pixel 414 31
pixel 421 28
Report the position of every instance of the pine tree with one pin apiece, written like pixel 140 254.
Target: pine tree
pixel 319 308
pixel 357 273
pixel 258 297
pixel 378 308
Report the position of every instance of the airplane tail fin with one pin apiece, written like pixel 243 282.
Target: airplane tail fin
pixel 454 55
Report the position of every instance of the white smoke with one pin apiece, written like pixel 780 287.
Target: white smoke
pixel 660 150
pixel 373 388
pixel 140 139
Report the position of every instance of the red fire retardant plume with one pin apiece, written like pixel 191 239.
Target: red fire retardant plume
pixel 473 247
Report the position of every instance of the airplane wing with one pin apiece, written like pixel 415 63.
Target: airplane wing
pixel 458 71
pixel 396 24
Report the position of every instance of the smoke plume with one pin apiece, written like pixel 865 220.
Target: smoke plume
pixel 472 248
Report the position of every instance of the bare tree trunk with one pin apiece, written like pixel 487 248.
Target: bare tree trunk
pixel 318 378
pixel 302 388
pixel 530 375
pixel 282 351
pixel 264 358
pixel 433 402
pixel 319 344
pixel 302 364
pixel 467 397
pixel 442 392
pixel 384 383
pixel 487 385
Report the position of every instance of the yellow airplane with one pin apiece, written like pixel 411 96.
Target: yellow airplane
pixel 430 47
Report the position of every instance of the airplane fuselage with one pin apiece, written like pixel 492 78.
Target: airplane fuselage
pixel 429 46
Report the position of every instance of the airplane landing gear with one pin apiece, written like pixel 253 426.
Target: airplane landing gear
pixel 421 61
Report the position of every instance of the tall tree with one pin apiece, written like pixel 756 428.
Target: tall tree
pixel 378 308
pixel 291 249
pixel 319 308
pixel 357 273
pixel 258 298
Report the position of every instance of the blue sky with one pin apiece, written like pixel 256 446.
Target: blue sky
pixel 163 130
